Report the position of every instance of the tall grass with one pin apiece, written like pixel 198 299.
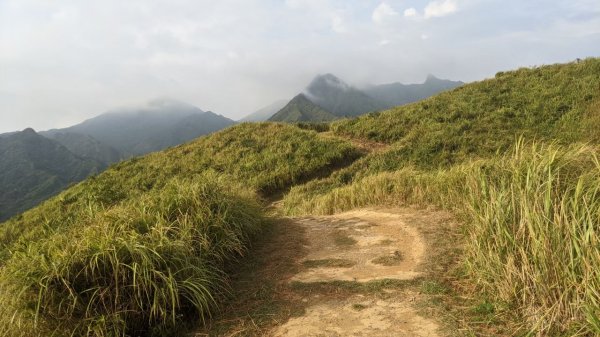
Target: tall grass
pixel 139 247
pixel 535 238
pixel 552 102
pixel 132 269
pixel 532 217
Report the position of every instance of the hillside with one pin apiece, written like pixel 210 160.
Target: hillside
pixel 265 113
pixel 339 98
pixel 33 168
pixel 301 109
pixel 156 126
pixel 527 203
pixel 551 103
pixel 150 236
pixel 327 98
pixel 86 146
pixel 155 241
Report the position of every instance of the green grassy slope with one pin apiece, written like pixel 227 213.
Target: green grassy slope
pixel 138 246
pixel 475 121
pixel 530 210
pixel 550 102
pixel 301 109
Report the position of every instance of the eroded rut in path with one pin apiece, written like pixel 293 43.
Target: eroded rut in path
pixel 358 248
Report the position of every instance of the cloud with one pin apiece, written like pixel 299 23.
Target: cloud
pixel 64 61
pixel 436 9
pixel 337 24
pixel 410 12
pixel 382 13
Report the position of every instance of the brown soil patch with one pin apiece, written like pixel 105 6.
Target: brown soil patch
pixel 300 281
pixel 367 314
pixel 368 228
pixel 359 315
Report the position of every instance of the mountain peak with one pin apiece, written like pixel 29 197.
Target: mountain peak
pixel 430 78
pixel 29 131
pixel 327 80
pixel 169 103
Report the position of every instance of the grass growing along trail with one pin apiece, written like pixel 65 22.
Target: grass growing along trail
pixel 140 247
pixel 531 211
pixel 557 102
pixel 531 217
pixel 135 268
pixel 143 245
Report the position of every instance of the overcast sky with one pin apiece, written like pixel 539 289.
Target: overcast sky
pixel 63 61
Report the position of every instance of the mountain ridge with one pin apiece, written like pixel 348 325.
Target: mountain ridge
pixel 34 168
pixel 342 100
pixel 157 125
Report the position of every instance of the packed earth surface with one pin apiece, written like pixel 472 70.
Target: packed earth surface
pixel 357 273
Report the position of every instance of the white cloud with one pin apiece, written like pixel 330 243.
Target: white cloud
pixel 64 61
pixel 337 24
pixel 382 13
pixel 410 12
pixel 440 8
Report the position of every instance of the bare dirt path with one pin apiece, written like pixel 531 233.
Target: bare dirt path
pixel 367 272
pixel 365 145
pixel 363 246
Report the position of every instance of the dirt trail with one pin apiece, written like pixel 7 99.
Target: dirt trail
pixel 359 273
pixel 365 145
pixel 362 246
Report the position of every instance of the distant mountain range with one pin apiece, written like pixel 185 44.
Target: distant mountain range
pixel 35 166
pixel 156 126
pixel 328 97
pixel 394 94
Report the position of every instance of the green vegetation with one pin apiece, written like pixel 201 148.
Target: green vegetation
pixel 433 288
pixel 530 216
pixel 135 267
pixel 139 247
pixel 479 119
pixel 301 109
pixel 34 168
pixel 530 208
pixel 147 243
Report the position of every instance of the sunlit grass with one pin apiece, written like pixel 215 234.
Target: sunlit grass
pixel 531 218
pixel 142 246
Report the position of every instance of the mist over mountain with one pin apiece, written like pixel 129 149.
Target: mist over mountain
pixel 33 168
pixel 327 97
pixel 265 113
pixel 301 109
pixel 159 124
pixel 394 94
pixel 339 98
pixel 36 166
